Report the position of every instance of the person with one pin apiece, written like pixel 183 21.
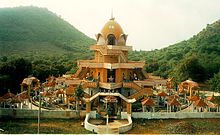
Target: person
pixel 87 75
pixel 135 77
pixel 124 78
pixel 111 79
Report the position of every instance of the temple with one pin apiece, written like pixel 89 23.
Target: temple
pixel 110 81
pixel 110 74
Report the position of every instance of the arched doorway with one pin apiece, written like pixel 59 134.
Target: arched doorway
pixel 111 39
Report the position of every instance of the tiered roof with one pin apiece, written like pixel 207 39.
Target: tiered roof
pixel 162 94
pixel 193 98
pixel 8 95
pixel 200 103
pixel 148 102
pixel 60 91
pixel 174 102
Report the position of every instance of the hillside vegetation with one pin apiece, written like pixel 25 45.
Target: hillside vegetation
pixel 35 41
pixel 27 31
pixel 197 58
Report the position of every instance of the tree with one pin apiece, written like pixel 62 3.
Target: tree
pixel 190 67
pixel 12 73
pixel 214 82
pixel 4 59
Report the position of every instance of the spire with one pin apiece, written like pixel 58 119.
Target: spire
pixel 112 18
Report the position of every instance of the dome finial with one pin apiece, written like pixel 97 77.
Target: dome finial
pixel 112 18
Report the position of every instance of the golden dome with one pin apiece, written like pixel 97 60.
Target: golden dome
pixel 112 27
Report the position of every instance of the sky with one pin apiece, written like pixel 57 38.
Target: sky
pixel 150 24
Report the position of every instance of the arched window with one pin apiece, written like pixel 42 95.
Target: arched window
pixel 111 39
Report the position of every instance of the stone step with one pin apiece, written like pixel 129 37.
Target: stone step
pixel 104 130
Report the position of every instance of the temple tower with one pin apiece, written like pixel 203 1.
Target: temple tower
pixel 111 64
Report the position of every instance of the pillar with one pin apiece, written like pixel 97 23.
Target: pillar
pixel 67 101
pixel 129 108
pixel 31 103
pixel 143 108
pixel 188 88
pixel 190 91
pixel 29 90
pixel 88 106
pixel 22 88
pixel 158 100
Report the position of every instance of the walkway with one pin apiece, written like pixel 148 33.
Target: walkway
pixel 210 93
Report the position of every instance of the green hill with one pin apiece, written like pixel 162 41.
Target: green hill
pixel 197 58
pixel 35 41
pixel 30 30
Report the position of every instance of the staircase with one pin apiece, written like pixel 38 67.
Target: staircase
pixel 132 85
pixel 80 72
pixel 145 91
pixel 137 95
pixel 86 95
pixel 140 91
pixel 107 130
pixel 77 72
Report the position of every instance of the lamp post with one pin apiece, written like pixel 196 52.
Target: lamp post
pixel 107 123
pixel 39 110
pixel 107 115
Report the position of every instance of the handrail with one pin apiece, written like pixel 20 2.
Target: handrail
pixel 126 127
pixel 88 125
pixel 77 72
pixel 132 85
pixel 111 94
pixel 140 90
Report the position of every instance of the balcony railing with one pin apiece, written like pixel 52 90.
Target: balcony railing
pixel 110 85
pixel 112 47
pixel 93 64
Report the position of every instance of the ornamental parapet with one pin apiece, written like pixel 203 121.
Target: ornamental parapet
pixel 93 64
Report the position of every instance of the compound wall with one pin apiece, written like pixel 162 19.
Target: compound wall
pixel 26 113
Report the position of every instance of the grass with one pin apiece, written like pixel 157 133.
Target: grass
pixel 48 126
pixel 174 126
pixel 140 126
